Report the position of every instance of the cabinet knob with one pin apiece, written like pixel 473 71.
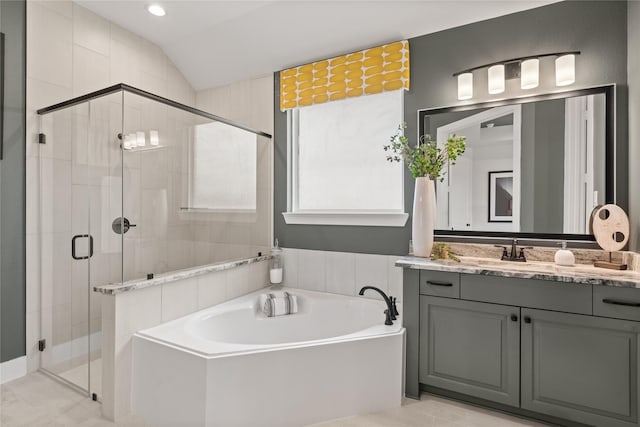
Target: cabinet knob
pixel 527 319
pixel 514 318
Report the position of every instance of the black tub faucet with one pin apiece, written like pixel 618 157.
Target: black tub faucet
pixel 391 311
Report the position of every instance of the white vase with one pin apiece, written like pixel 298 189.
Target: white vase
pixel 424 216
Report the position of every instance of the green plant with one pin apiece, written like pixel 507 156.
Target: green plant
pixel 426 158
pixel 443 251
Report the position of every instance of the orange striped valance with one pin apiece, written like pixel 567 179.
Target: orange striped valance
pixel 369 71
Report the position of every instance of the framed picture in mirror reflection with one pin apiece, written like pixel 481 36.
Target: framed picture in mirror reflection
pixel 500 196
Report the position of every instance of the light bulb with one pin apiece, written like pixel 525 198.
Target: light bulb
pixel 565 70
pixel 529 73
pixel 496 79
pixel 465 86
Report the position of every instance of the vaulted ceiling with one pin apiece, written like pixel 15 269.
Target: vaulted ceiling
pixel 214 42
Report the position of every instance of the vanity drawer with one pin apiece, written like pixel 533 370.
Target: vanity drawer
pixel 621 303
pixel 542 294
pixel 440 283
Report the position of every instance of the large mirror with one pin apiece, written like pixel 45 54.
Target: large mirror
pixel 533 167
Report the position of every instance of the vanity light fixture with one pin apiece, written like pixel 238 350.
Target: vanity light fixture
pixel 465 86
pixel 496 79
pixel 565 70
pixel 156 10
pixel 527 68
pixel 529 73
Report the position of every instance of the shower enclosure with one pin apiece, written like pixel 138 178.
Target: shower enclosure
pixel 132 185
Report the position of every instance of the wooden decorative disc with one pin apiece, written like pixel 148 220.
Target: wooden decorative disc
pixel 611 227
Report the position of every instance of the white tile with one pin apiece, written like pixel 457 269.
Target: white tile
pixel 56 195
pixel 201 253
pixel 258 275
pixel 139 309
pixel 371 270
pixel 61 261
pixel 311 270
pixel 79 291
pixel 178 88
pixel 90 71
pixel 153 84
pixel 153 60
pixel 212 289
pixel 64 8
pixel 227 251
pixel 154 214
pixel 290 271
pixel 49 46
pixel 340 273
pixel 33 273
pixel 122 376
pixel 33 336
pixel 179 298
pixel 33 195
pixel 125 36
pixel 237 281
pixel 180 253
pixel 61 331
pixel 80 209
pixel 394 278
pixel 90 30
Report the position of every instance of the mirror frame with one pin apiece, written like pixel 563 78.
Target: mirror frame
pixel 610 124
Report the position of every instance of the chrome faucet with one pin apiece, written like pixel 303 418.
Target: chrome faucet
pixel 514 255
pixel 392 311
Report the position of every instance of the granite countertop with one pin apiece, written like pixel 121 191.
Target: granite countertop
pixel 131 285
pixel 579 273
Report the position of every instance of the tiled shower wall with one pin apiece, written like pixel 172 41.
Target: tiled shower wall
pixel 72 51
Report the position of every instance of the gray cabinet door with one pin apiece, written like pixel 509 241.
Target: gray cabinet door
pixel 580 368
pixel 471 348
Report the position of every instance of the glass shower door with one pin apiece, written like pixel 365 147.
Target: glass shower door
pixel 80 194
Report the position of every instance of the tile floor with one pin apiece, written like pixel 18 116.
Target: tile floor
pixel 80 375
pixel 37 401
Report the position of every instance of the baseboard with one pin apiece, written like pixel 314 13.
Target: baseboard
pixel 13 369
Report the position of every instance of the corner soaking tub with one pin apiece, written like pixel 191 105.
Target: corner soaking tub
pixel 229 365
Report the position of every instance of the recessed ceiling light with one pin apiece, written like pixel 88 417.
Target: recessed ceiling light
pixel 156 9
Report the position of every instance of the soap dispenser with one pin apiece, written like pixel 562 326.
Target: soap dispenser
pixel 564 256
pixel 275 265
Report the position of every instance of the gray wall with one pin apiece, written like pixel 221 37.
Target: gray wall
pixel 597 28
pixel 634 123
pixel 12 184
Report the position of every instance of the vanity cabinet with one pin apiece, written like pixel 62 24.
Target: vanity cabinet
pixel 471 348
pixel 581 368
pixel 529 346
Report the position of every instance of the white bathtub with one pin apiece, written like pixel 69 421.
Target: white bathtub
pixel 229 365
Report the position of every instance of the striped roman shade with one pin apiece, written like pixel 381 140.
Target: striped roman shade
pixel 369 71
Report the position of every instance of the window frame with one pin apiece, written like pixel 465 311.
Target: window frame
pixel 294 215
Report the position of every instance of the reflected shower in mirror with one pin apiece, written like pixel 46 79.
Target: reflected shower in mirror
pixel 529 167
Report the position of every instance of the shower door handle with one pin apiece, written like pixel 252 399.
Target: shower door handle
pixel 73 246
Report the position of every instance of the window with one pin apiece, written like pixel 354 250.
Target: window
pixel 223 169
pixel 338 169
